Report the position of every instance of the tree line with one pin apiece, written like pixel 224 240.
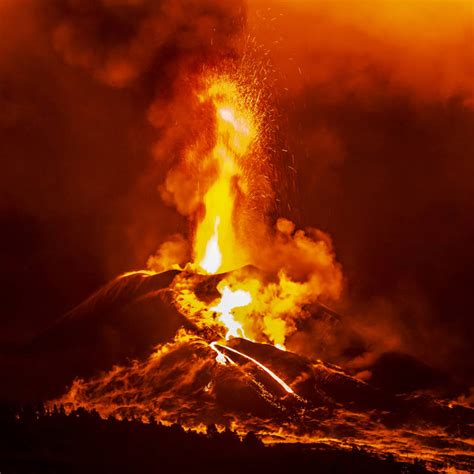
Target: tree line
pixel 37 441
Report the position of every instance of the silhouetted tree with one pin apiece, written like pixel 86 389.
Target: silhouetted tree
pixel 45 442
pixel 211 431
pixel 252 441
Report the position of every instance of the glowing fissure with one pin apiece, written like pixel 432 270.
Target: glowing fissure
pixel 221 358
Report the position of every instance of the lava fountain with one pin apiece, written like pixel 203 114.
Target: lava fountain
pixel 217 246
pixel 258 293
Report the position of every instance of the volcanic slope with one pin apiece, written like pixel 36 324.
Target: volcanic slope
pixel 128 351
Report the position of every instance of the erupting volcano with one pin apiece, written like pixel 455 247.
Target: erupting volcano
pixel 246 281
pixel 236 312
pixel 265 212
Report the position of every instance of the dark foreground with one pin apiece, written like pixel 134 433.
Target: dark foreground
pixel 82 442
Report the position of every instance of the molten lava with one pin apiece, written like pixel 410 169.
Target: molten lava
pixel 229 301
pixel 212 259
pixel 281 270
pixel 221 358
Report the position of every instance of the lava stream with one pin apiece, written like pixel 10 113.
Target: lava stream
pixel 275 377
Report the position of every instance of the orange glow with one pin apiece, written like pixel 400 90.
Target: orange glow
pixel 241 271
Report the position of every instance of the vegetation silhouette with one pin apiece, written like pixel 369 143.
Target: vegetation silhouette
pixel 39 441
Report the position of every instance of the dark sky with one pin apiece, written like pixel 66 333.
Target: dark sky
pixel 376 107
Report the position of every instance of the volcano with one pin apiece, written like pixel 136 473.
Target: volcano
pixel 208 334
pixel 237 236
pixel 162 365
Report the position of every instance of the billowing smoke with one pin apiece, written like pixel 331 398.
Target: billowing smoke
pixel 420 48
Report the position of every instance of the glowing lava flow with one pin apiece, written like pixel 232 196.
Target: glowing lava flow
pixel 216 244
pixel 222 358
